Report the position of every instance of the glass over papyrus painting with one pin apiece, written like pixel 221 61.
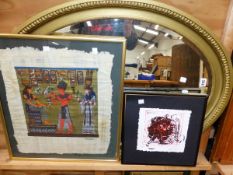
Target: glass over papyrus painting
pixel 59 101
pixel 162 130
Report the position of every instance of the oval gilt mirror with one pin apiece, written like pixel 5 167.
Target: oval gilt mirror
pixel 162 42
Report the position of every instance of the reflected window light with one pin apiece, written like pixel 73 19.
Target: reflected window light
pixel 151 46
pixel 137 27
pixel 143 41
pixel 156 27
pixel 152 32
pixel 166 34
pixel 116 19
pixel 89 24
pixel 142 53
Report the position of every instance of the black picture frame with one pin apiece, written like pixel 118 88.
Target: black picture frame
pixel 134 102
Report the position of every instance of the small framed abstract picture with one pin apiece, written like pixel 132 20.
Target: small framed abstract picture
pixel 61 95
pixel 162 129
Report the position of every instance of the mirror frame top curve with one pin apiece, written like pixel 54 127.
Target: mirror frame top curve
pixel 155 12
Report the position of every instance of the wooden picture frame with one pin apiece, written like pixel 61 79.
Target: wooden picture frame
pixel 46 112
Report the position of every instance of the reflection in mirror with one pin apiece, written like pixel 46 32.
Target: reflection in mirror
pixel 153 53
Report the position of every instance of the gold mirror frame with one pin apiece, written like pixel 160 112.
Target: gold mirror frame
pixel 153 12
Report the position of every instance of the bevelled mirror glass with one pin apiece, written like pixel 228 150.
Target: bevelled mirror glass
pixel 154 52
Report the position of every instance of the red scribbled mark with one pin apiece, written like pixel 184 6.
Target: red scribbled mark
pixel 164 129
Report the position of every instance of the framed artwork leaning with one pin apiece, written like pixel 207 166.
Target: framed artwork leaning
pixel 163 129
pixel 61 95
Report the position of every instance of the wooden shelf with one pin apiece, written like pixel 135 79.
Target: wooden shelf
pixel 223 169
pixel 50 165
pixel 150 83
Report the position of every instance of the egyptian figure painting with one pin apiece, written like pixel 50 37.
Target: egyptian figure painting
pixel 162 130
pixel 59 101
pixel 60 96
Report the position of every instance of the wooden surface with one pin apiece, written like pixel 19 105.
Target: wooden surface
pixel 15 12
pixel 9 172
pixel 211 12
pixel 157 173
pixel 227 38
pixel 150 83
pixel 204 140
pixel 223 169
pixel 223 148
pixel 6 164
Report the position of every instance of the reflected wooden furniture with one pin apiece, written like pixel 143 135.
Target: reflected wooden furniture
pixel 99 168
pixel 185 63
pixel 164 65
pixel 150 83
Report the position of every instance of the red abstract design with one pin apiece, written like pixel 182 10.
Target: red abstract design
pixel 164 129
